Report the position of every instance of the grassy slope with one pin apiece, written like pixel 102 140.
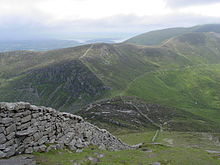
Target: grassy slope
pixel 118 65
pixel 193 145
pixel 187 79
pixel 159 36
pixel 115 65
pixel 17 62
pixel 192 89
pixel 53 78
pixel 126 113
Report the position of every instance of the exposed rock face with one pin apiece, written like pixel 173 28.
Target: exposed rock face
pixel 26 128
pixel 66 86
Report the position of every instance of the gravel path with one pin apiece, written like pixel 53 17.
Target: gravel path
pixel 19 160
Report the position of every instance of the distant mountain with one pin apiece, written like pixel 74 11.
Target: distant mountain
pixel 45 45
pixel 182 73
pixel 101 40
pixel 159 36
pixel 36 45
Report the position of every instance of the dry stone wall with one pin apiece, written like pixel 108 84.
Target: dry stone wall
pixel 26 128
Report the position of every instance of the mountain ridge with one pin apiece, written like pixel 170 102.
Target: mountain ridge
pixel 68 79
pixel 157 37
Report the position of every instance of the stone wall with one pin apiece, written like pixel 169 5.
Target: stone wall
pixel 26 128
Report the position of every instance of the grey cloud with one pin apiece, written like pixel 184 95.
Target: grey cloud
pixel 116 26
pixel 185 3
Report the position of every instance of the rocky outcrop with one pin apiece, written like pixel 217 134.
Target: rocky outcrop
pixel 26 128
pixel 66 85
pixel 136 114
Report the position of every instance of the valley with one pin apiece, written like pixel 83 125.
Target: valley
pixel 160 88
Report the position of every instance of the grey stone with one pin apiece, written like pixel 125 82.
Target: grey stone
pixel 28 140
pixel 38 135
pixel 17 119
pixel 80 145
pixel 26 112
pixel 26 132
pixel 19 139
pixel 29 150
pixel 20 149
pixel 72 147
pixel 35 115
pixel 14 106
pixel 41 128
pixel 2 146
pixel 41 148
pixel 19 115
pixel 33 107
pixel 67 138
pixel 2 129
pixel 26 119
pixel 10 129
pixel 52 140
pixel 2 154
pixel 100 155
pixel 24 126
pixel 79 150
pixel 10 151
pixel 2 138
pixel 29 130
pixel 156 163
pixel 33 120
pixel 9 143
pixel 102 147
pixel 43 140
pixel 213 152
pixel 6 120
pixel 92 159
pixel 18 160
pixel 60 146
pixel 48 130
pixel 52 135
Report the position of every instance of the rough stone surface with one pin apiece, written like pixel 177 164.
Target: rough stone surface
pixel 2 138
pixel 18 160
pixel 26 128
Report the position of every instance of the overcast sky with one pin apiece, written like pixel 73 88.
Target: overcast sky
pixel 69 19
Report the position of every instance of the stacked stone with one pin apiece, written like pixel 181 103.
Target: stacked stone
pixel 26 128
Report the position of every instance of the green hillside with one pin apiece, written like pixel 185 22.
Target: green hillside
pixel 194 89
pixel 182 73
pixel 54 78
pixel 159 36
pixel 186 78
pixel 68 79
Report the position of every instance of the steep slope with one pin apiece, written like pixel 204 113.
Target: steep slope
pixel 190 84
pixel 131 113
pixel 117 65
pixel 57 78
pixel 68 79
pixel 198 47
pixel 193 89
pixel 67 85
pixel 17 62
pixel 159 36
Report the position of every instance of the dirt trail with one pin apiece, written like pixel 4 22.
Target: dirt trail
pixel 86 52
